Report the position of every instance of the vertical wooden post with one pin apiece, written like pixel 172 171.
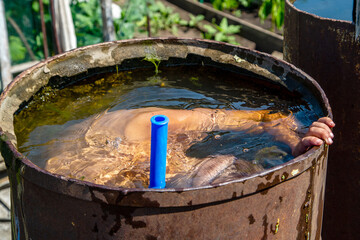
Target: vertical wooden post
pixel 5 61
pixel 108 26
pixel 43 29
pixel 63 25
pixel 148 22
pixel 53 22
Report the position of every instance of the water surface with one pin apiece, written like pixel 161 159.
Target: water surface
pixel 335 9
pixel 52 130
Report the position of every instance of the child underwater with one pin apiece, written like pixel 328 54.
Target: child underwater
pixel 113 148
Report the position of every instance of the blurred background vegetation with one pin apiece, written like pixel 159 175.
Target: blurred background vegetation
pixel 26 37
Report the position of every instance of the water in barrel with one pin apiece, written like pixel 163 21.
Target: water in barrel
pixel 223 125
pixel 334 9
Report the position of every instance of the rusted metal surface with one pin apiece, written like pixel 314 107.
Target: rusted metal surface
pixel 327 50
pixel 285 202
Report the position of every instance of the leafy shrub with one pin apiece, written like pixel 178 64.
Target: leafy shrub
pixel 276 9
pixel 87 21
pixel 26 22
pixel 222 32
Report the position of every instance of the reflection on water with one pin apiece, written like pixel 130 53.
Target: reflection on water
pixel 56 130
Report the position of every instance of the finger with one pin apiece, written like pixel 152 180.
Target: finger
pixel 305 143
pixel 320 133
pixel 323 126
pixel 327 121
pixel 311 141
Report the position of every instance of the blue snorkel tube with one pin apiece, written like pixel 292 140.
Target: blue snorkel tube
pixel 159 133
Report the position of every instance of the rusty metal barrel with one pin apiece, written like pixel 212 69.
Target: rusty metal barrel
pixel 284 202
pixel 326 49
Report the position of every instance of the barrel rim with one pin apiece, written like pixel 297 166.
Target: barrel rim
pixel 32 172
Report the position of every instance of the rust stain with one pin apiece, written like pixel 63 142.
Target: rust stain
pixel 251 219
pixel 265 186
pixel 265 225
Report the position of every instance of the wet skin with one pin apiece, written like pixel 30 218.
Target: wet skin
pixel 133 126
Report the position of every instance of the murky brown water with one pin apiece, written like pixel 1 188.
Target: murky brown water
pixel 60 131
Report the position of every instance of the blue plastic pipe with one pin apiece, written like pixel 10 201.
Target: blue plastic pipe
pixel 159 133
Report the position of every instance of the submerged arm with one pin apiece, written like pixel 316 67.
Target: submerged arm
pixel 134 124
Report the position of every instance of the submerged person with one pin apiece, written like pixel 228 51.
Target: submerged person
pixel 113 148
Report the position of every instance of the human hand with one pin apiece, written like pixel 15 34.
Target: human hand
pixel 318 133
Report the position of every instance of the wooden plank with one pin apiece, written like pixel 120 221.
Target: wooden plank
pixel 265 40
pixel 22 67
pixel 108 26
pixel 5 61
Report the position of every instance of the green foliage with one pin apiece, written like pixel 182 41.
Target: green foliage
pixel 134 19
pixel 163 18
pixel 133 16
pixel 28 21
pixel 195 20
pixel 154 60
pixel 230 4
pixel 222 32
pixel 276 9
pixel 245 3
pixel 17 49
pixel 225 4
pixel 87 21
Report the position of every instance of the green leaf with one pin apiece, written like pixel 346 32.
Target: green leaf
pixel 220 37
pixel 174 29
pixel 245 3
pixel 232 29
pixel 35 6
pixel 209 29
pixel 265 9
pixel 232 40
pixel 17 49
pixel 237 13
pixel 217 4
pixel 224 24
pixel 184 22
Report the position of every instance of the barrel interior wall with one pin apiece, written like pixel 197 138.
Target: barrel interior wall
pixel 326 49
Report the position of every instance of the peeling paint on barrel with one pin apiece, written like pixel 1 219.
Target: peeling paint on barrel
pixel 266 205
